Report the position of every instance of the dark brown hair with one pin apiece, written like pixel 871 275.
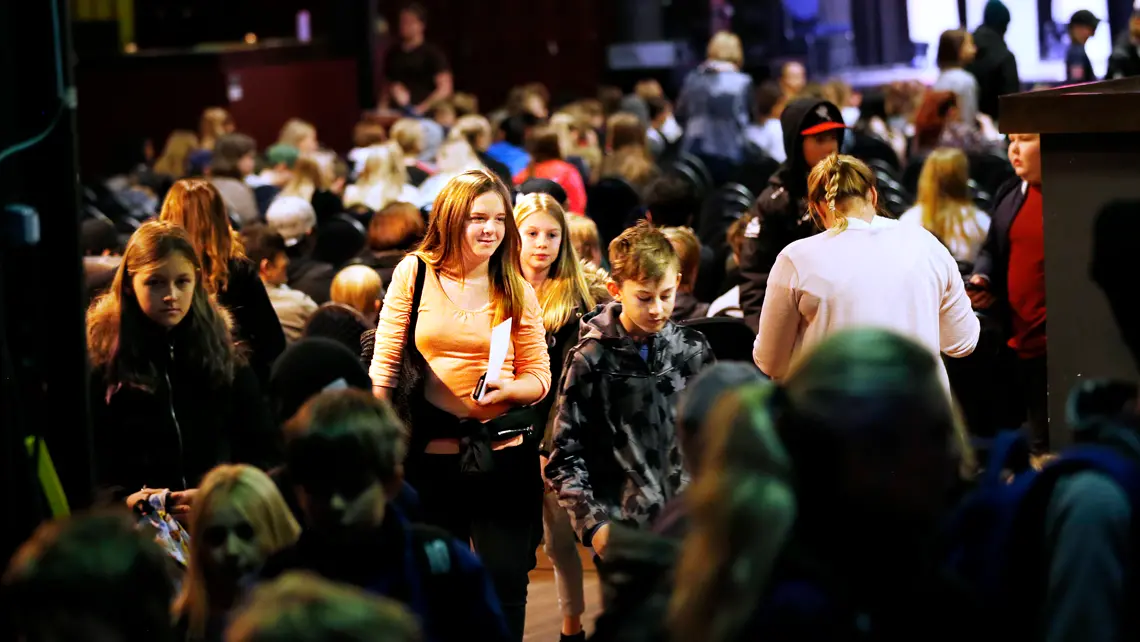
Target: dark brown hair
pixel 398 226
pixel 228 152
pixel 543 145
pixel 950 48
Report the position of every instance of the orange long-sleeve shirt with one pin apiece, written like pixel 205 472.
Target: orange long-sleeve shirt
pixel 455 343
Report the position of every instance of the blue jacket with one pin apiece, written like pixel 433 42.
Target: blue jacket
pixel 439 579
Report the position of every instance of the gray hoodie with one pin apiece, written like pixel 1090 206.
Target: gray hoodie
pixel 616 452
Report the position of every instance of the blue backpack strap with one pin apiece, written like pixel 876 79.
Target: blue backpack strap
pixel 1009 451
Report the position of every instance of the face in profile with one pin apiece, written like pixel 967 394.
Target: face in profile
pixel 165 291
pixel 1025 156
pixel 647 305
pixel 819 147
pixel 485 227
pixel 230 543
pixel 275 271
pixel 541 241
pixel 308 144
pixel 969 50
pixel 343 506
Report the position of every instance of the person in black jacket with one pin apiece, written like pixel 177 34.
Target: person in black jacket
pixel 196 206
pixel 1009 278
pixel 171 395
pixel 812 131
pixel 1125 59
pixel 994 66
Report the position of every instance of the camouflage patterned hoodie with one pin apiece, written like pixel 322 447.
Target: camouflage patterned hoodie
pixel 616 453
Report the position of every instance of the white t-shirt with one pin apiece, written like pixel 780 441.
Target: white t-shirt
pixel 880 274
pixel 975 224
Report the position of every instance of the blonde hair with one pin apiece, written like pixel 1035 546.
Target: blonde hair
pixel 565 288
pixel 175 157
pixel 308 177
pixel 253 494
pixel 409 134
pixel 196 206
pixel 596 280
pixel 294 131
pixel 725 47
pixel 357 286
pixel 442 247
pixel 215 123
pixel 688 248
pixel 943 190
pixel 743 508
pixel 641 253
pixel 301 605
pixel 383 168
pixel 472 128
pixel 834 181
pixel 584 237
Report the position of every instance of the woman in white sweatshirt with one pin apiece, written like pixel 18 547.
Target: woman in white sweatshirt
pixel 862 270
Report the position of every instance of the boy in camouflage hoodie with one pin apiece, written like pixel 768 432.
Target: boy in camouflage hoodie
pixel 616 453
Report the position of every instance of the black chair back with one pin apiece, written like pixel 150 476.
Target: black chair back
pixel 339 239
pixel 699 168
pixel 990 170
pixel 611 203
pixel 730 338
pixel 871 149
pixel 757 168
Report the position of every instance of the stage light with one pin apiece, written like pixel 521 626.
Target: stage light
pixel 251 38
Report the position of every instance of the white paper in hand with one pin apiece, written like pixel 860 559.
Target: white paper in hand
pixel 500 341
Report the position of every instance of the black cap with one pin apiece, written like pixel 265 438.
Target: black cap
pixel 544 186
pixel 1084 18
pixel 822 118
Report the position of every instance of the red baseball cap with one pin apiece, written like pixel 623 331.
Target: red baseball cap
pixel 824 117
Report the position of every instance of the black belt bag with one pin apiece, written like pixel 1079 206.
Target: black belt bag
pixel 475 437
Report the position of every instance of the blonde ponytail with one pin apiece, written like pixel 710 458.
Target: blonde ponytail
pixel 743 509
pixel 834 180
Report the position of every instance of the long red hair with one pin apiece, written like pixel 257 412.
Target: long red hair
pixel 197 207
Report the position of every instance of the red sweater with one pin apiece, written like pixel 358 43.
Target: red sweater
pixel 565 175
pixel 1026 277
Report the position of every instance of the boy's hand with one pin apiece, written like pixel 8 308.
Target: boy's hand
pixel 601 540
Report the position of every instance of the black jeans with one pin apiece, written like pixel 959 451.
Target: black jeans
pixel 1033 378
pixel 497 511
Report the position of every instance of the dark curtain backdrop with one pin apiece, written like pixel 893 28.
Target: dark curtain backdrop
pixel 881 33
pixel 493 46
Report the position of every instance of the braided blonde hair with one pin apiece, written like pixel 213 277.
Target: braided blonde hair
pixel 831 183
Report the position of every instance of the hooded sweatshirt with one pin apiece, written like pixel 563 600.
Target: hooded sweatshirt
pixel 616 453
pixel 994 66
pixel 782 211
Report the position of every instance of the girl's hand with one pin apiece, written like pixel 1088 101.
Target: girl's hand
pixel 180 502
pixel 498 392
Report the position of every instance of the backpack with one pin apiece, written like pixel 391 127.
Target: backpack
pixel 997 538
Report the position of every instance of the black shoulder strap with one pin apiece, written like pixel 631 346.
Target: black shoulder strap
pixel 417 295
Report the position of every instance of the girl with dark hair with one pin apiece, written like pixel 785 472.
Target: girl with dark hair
pixel 467 278
pixel 197 207
pixel 171 395
pixel 232 162
pixel 956 50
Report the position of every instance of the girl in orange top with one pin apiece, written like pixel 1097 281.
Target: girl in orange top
pixel 471 461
